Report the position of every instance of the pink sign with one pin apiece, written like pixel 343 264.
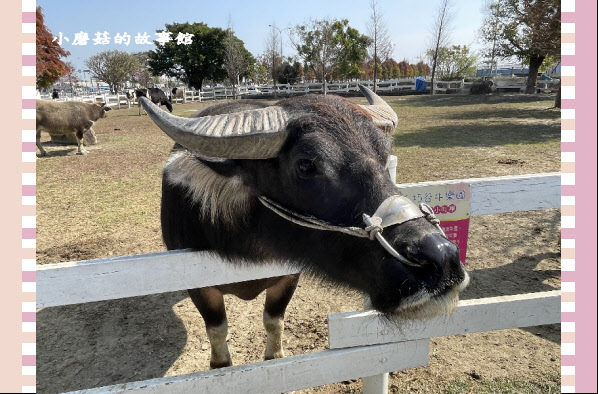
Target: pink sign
pixel 451 205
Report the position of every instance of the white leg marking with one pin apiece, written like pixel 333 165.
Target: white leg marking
pixel 274 328
pixel 220 356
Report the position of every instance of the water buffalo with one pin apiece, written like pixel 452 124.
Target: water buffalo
pixel 67 117
pixel 156 95
pixel 303 182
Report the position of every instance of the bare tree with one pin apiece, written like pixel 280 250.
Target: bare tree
pixel 113 67
pixel 235 59
pixel 273 53
pixel 142 74
pixel 441 33
pixel 381 46
pixel 489 32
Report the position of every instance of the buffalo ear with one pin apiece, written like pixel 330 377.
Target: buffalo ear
pixel 107 108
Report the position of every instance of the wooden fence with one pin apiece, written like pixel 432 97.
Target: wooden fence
pixel 361 344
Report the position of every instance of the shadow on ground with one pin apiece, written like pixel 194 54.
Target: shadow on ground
pixel 91 345
pixel 452 100
pixel 477 135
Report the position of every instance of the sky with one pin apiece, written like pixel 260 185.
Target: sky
pixel 409 22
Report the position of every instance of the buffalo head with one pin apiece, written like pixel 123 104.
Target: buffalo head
pixel 306 181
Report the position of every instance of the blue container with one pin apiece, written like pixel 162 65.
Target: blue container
pixel 420 84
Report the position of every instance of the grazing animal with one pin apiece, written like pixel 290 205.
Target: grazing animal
pixel 60 118
pixel 481 87
pixel 303 182
pixel 178 94
pixel 130 93
pixel 157 96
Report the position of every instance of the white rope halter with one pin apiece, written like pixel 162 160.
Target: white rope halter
pixel 395 209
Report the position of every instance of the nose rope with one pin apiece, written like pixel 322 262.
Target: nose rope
pixel 430 217
pixel 373 229
pixel 310 221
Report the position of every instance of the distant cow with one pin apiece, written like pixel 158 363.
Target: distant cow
pixel 178 94
pixel 156 95
pixel 58 118
pixel 481 87
pixel 130 93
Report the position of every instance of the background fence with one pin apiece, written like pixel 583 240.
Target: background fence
pixel 361 344
pixel 500 84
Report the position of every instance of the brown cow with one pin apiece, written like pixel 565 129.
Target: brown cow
pixel 60 118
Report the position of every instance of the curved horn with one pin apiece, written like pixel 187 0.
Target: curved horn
pixel 382 115
pixel 252 134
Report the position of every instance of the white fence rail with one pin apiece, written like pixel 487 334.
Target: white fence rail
pixel 392 85
pixel 361 344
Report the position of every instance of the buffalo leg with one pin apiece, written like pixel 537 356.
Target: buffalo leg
pixel 38 142
pixel 80 150
pixel 278 297
pixel 210 303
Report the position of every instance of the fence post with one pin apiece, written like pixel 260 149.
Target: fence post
pixel 392 168
pixel 377 384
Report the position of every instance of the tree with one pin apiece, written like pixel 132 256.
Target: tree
pixel 352 50
pixel 405 69
pixel 440 33
pixel 329 46
pixel 381 46
pixel 291 73
pixel 48 66
pixel 259 71
pixel 529 30
pixel 113 67
pixel 392 68
pixel 422 69
pixel 191 63
pixel 70 76
pixel 237 59
pixel 142 75
pixel 493 13
pixel 454 62
pixel 273 55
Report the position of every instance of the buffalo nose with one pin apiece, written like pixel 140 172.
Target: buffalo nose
pixel 434 249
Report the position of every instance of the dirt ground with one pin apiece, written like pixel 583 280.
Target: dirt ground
pixel 105 343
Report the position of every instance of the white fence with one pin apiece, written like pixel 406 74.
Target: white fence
pixel 361 345
pixel 393 85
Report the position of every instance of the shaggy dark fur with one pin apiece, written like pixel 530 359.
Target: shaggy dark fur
pixel 332 166
pixel 347 178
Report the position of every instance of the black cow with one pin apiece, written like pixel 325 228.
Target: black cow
pixel 156 95
pixel 303 182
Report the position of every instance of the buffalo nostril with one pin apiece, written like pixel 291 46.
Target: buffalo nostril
pixel 434 249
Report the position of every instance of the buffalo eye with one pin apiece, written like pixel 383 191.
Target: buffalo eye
pixel 306 167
